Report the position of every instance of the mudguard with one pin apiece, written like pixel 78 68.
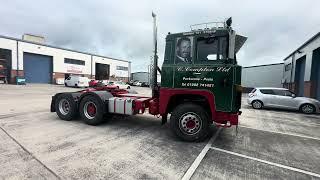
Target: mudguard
pixel 75 97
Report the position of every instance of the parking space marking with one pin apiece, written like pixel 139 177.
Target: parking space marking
pixel 198 160
pixel 28 152
pixel 267 162
pixel 3 116
pixel 289 134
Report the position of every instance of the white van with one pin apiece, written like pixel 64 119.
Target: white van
pixel 77 81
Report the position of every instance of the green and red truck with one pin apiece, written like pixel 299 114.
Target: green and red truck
pixel 200 85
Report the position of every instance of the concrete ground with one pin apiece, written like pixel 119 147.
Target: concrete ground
pixel 36 144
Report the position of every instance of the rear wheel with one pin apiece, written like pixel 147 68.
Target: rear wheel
pixel 65 107
pixel 91 110
pixel 257 104
pixel 190 122
pixel 307 108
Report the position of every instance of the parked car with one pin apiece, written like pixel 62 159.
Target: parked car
pixel 138 83
pixel 95 83
pixel 283 99
pixel 135 83
pixel 131 82
pixel 118 84
pixel 77 81
pixel 144 84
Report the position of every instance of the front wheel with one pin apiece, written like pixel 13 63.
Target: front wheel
pixel 190 122
pixel 307 109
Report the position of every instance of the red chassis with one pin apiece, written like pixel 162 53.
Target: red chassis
pixel 159 106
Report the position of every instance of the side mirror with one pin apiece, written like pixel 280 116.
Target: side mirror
pixel 293 95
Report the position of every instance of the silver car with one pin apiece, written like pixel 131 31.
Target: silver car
pixel 283 99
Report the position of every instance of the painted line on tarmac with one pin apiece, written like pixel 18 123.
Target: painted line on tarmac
pixel 28 152
pixel 267 162
pixel 3 116
pixel 198 160
pixel 289 134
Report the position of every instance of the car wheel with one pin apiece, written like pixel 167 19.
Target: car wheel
pixel 307 108
pixel 91 110
pixel 65 107
pixel 190 122
pixel 257 104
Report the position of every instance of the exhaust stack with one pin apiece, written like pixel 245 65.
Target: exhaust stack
pixel 154 62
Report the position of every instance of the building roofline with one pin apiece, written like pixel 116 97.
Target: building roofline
pixel 263 65
pixel 303 45
pixel 51 46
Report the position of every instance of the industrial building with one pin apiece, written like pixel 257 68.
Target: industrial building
pixel 143 77
pixel 301 72
pixel 38 62
pixel 268 75
pixel 140 76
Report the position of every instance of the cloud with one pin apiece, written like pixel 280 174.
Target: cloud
pixel 123 29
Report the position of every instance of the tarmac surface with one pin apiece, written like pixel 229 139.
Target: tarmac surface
pixel 36 144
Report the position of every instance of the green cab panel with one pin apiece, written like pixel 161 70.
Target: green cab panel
pixel 221 80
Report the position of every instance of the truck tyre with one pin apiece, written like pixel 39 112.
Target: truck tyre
pixel 65 107
pixel 190 122
pixel 91 110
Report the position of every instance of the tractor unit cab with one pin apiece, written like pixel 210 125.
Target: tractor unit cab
pixel 205 59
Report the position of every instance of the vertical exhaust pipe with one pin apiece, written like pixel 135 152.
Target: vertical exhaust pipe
pixel 154 62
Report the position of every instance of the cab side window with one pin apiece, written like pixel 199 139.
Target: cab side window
pixel 211 49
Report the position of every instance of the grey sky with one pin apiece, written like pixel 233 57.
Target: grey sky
pixel 123 28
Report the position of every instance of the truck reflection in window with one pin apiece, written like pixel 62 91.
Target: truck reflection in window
pixel 183 50
pixel 211 48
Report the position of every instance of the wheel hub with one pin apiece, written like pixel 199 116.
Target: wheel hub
pixel 90 110
pixel 64 106
pixel 190 123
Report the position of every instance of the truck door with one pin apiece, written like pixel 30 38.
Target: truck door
pixel 200 64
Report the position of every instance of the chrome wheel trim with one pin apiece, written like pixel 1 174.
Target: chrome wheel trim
pixel 307 109
pixel 257 104
pixel 190 123
pixel 85 109
pixel 64 106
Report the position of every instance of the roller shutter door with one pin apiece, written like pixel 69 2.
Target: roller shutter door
pixel 37 68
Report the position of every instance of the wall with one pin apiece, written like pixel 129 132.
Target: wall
pixel 58 58
pixel 307 50
pixel 58 54
pixel 140 76
pixel 113 66
pixel 262 76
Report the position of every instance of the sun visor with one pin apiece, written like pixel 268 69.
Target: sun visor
pixel 240 40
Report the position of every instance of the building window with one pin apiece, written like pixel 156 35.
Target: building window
pixel 123 68
pixel 74 61
pixel 287 67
